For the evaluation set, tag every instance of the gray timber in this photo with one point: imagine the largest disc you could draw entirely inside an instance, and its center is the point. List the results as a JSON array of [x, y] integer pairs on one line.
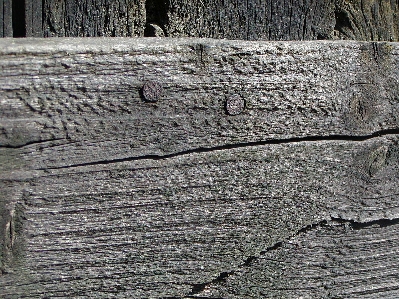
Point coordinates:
[[106, 195]]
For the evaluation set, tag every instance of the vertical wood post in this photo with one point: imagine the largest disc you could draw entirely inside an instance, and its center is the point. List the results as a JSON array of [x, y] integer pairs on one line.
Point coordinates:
[[6, 18], [33, 18]]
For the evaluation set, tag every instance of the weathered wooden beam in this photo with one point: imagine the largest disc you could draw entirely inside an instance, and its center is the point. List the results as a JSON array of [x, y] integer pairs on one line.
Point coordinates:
[[104, 192], [252, 19], [159, 228], [284, 20], [290, 90]]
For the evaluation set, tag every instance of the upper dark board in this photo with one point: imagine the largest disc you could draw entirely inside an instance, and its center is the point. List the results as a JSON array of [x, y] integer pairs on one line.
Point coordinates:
[[233, 19]]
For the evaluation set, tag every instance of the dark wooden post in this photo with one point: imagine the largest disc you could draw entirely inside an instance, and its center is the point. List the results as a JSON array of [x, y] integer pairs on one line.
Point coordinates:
[[252, 20], [33, 18], [6, 18], [94, 18]]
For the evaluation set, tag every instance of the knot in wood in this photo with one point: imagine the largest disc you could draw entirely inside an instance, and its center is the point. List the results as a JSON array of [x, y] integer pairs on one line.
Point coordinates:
[[152, 91], [235, 104]]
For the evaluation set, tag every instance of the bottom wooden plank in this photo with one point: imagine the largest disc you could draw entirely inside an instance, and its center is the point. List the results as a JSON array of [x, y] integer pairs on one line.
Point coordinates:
[[154, 228]]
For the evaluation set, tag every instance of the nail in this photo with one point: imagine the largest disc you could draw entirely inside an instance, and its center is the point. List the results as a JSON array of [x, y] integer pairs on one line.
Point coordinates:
[[152, 91], [235, 104]]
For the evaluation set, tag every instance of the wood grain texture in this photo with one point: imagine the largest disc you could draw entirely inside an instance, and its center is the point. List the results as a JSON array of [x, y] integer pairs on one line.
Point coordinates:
[[158, 228], [253, 19], [94, 18], [33, 18], [336, 259], [106, 195], [285, 20], [61, 92], [6, 18], [367, 20]]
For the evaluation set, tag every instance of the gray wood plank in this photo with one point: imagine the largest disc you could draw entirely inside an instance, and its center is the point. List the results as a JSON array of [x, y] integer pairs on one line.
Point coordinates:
[[157, 228], [252, 19], [79, 101], [285, 20]]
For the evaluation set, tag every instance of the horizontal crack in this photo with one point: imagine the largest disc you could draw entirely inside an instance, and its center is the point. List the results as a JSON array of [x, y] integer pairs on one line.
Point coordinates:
[[383, 222], [236, 146]]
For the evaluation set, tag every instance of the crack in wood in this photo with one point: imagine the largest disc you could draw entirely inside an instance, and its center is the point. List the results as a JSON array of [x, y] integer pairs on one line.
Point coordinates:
[[236, 146], [198, 288], [355, 225]]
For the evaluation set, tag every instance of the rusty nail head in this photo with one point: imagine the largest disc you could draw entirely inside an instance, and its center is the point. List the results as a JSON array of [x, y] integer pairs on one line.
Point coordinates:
[[235, 104], [152, 91]]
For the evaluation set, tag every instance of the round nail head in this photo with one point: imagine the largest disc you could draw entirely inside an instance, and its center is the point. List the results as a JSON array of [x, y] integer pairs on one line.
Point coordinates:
[[152, 91], [235, 105]]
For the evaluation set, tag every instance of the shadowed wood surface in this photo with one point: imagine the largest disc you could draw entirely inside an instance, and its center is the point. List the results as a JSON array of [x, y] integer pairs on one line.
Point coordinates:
[[253, 20], [6, 18], [107, 195], [234, 19]]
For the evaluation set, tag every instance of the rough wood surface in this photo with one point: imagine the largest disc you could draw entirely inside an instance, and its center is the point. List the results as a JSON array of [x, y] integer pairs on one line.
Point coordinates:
[[33, 18], [6, 18], [61, 92], [94, 18], [105, 194], [235, 19], [253, 20], [337, 259], [284, 20]]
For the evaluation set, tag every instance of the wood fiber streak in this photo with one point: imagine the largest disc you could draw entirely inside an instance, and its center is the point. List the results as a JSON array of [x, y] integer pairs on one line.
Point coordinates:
[[366, 20], [93, 18], [33, 18], [6, 18], [331, 261]]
